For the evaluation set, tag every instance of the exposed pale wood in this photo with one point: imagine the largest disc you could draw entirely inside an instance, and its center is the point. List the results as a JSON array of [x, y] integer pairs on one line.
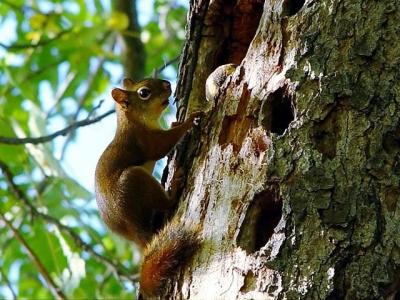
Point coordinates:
[[333, 65]]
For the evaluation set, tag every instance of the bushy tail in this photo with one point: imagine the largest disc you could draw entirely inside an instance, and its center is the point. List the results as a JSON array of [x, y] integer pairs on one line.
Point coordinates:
[[168, 250]]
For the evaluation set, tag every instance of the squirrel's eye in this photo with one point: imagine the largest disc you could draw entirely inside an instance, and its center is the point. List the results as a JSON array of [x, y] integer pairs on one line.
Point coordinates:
[[144, 93]]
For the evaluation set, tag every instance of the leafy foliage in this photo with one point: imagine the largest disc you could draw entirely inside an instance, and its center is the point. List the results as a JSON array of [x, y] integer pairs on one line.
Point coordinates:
[[57, 60]]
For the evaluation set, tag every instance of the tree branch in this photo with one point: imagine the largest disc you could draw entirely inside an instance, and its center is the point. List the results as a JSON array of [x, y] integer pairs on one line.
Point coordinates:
[[35, 45], [30, 76], [90, 81], [8, 283], [68, 80], [50, 137], [157, 71], [81, 102], [119, 270], [56, 290]]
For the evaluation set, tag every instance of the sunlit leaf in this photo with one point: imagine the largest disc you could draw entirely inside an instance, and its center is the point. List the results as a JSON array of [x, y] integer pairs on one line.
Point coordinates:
[[33, 36], [37, 21], [42, 154], [118, 21], [75, 271]]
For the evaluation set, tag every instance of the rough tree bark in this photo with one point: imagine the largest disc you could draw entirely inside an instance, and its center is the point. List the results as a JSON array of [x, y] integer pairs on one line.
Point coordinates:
[[294, 174]]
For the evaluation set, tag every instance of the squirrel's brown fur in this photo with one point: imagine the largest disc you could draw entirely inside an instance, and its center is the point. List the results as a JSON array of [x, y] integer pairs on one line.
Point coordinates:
[[167, 251], [129, 199]]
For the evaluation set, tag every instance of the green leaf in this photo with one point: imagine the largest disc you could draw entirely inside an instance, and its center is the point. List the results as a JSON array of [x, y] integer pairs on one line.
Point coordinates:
[[118, 21], [73, 189]]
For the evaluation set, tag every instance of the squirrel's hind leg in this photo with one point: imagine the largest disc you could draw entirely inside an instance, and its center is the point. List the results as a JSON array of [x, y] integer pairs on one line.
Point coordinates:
[[137, 182]]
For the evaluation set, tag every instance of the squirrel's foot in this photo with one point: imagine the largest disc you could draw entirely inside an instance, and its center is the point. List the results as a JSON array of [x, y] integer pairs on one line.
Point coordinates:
[[196, 116]]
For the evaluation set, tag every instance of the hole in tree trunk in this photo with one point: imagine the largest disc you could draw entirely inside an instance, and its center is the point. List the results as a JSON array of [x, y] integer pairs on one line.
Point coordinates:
[[237, 22], [278, 111], [292, 7], [262, 217]]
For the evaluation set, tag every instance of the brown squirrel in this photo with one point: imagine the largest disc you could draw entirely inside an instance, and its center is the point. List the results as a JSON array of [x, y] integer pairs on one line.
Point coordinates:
[[129, 199]]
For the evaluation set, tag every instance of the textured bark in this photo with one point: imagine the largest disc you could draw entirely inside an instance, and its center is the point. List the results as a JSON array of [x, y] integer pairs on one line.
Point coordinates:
[[294, 175]]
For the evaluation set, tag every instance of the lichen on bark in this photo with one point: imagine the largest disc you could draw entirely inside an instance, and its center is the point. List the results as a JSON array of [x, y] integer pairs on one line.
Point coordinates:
[[306, 128]]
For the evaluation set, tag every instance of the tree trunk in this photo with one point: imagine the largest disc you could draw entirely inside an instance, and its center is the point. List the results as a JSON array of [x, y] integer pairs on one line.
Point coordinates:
[[294, 174]]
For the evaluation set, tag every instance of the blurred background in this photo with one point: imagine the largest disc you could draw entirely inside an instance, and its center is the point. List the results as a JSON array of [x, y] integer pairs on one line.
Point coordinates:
[[59, 61]]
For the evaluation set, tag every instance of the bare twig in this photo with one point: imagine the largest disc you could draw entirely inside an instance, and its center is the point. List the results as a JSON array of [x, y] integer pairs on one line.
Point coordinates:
[[30, 76], [95, 108], [157, 71], [18, 193], [40, 43], [61, 93], [89, 87], [8, 283], [81, 101], [56, 290], [90, 81], [50, 137], [119, 270]]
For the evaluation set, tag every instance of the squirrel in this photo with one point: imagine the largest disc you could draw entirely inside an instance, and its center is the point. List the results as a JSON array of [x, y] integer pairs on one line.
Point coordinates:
[[129, 198]]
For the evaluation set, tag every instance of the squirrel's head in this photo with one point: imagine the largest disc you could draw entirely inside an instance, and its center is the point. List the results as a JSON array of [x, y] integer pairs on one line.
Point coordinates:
[[146, 98]]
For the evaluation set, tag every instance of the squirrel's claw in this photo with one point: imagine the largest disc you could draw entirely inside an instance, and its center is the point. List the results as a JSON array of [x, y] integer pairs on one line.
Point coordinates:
[[196, 116]]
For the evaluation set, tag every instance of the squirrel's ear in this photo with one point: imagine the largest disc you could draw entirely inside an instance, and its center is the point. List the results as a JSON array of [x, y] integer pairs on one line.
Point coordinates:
[[121, 97], [128, 83]]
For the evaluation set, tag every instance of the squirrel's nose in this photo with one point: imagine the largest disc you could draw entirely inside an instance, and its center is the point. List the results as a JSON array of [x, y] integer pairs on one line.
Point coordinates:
[[166, 84]]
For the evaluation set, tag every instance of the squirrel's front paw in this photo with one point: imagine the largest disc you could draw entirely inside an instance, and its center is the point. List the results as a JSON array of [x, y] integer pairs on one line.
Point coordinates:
[[196, 116]]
